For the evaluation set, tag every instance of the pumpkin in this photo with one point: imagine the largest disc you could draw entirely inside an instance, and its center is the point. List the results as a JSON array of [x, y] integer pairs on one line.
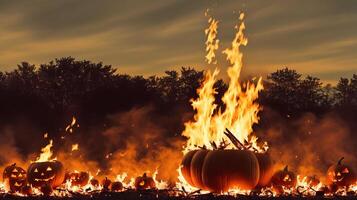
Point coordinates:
[[94, 182], [42, 173], [106, 183], [284, 178], [266, 169], [340, 175], [79, 178], [14, 178], [46, 189], [220, 170], [26, 190], [116, 186], [144, 182]]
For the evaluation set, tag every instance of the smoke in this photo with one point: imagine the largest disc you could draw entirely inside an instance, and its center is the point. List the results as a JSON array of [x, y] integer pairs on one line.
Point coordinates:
[[309, 144], [144, 145]]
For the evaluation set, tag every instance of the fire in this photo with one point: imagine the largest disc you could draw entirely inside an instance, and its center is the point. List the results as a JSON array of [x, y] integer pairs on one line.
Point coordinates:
[[241, 109], [70, 126], [211, 41], [75, 147], [46, 153]]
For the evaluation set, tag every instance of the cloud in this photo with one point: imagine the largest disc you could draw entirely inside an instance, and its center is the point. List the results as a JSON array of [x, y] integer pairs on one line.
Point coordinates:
[[147, 37]]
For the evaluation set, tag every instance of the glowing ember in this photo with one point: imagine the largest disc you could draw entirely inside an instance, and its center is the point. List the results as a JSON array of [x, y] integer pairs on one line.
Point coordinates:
[[69, 128], [75, 147]]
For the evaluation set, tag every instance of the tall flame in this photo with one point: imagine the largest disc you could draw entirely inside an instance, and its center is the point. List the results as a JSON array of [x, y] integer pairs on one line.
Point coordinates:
[[211, 41], [241, 109], [46, 153]]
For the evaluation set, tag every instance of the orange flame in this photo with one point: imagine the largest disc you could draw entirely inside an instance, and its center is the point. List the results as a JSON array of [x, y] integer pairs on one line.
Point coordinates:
[[211, 41], [241, 111], [46, 153]]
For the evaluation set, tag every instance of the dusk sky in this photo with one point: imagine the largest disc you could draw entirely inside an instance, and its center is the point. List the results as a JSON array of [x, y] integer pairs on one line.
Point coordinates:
[[147, 37]]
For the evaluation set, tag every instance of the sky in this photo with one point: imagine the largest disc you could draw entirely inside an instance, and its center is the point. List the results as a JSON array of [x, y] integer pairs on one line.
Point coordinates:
[[147, 37]]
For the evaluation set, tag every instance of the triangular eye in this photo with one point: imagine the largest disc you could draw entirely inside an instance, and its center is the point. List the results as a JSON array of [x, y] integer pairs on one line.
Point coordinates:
[[15, 170], [338, 174], [345, 171], [49, 169], [36, 170]]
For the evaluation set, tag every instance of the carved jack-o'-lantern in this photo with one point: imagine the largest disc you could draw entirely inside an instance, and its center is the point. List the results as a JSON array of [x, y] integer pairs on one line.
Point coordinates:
[[78, 178], [144, 182], [340, 175], [284, 178], [42, 173], [14, 178]]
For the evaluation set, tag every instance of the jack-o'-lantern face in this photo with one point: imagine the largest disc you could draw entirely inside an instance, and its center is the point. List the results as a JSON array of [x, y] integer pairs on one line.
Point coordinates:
[[340, 174], [41, 173], [14, 178], [79, 178], [144, 182], [284, 178]]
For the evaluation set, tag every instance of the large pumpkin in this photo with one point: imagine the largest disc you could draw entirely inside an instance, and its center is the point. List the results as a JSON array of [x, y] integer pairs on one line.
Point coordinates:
[[340, 175], [266, 169], [42, 173], [220, 170], [14, 178]]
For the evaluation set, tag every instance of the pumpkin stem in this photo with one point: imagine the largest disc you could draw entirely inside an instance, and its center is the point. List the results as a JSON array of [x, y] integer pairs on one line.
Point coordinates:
[[340, 161], [144, 175], [13, 165], [286, 168]]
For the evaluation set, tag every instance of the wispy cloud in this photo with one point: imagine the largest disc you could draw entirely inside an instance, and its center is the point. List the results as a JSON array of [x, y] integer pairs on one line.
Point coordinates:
[[147, 37]]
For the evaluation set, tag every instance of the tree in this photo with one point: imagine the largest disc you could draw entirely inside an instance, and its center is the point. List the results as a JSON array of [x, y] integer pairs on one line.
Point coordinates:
[[346, 94], [291, 94]]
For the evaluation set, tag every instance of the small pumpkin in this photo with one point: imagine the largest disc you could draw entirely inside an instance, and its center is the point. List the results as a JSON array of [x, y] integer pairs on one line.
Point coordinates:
[[46, 189], [340, 174], [220, 170], [14, 178], [284, 178], [144, 182], [79, 178], [106, 183], [26, 190], [266, 169], [94, 182], [42, 173], [116, 186]]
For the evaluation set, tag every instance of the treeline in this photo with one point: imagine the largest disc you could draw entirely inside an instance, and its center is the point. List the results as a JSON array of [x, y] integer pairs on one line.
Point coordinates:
[[50, 94]]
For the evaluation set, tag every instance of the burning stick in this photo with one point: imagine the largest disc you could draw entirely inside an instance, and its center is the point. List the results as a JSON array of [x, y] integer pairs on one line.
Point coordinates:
[[234, 140]]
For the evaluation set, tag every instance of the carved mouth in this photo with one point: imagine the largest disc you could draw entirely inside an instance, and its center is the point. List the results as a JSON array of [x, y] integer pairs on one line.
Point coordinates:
[[338, 179], [18, 184], [44, 179]]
